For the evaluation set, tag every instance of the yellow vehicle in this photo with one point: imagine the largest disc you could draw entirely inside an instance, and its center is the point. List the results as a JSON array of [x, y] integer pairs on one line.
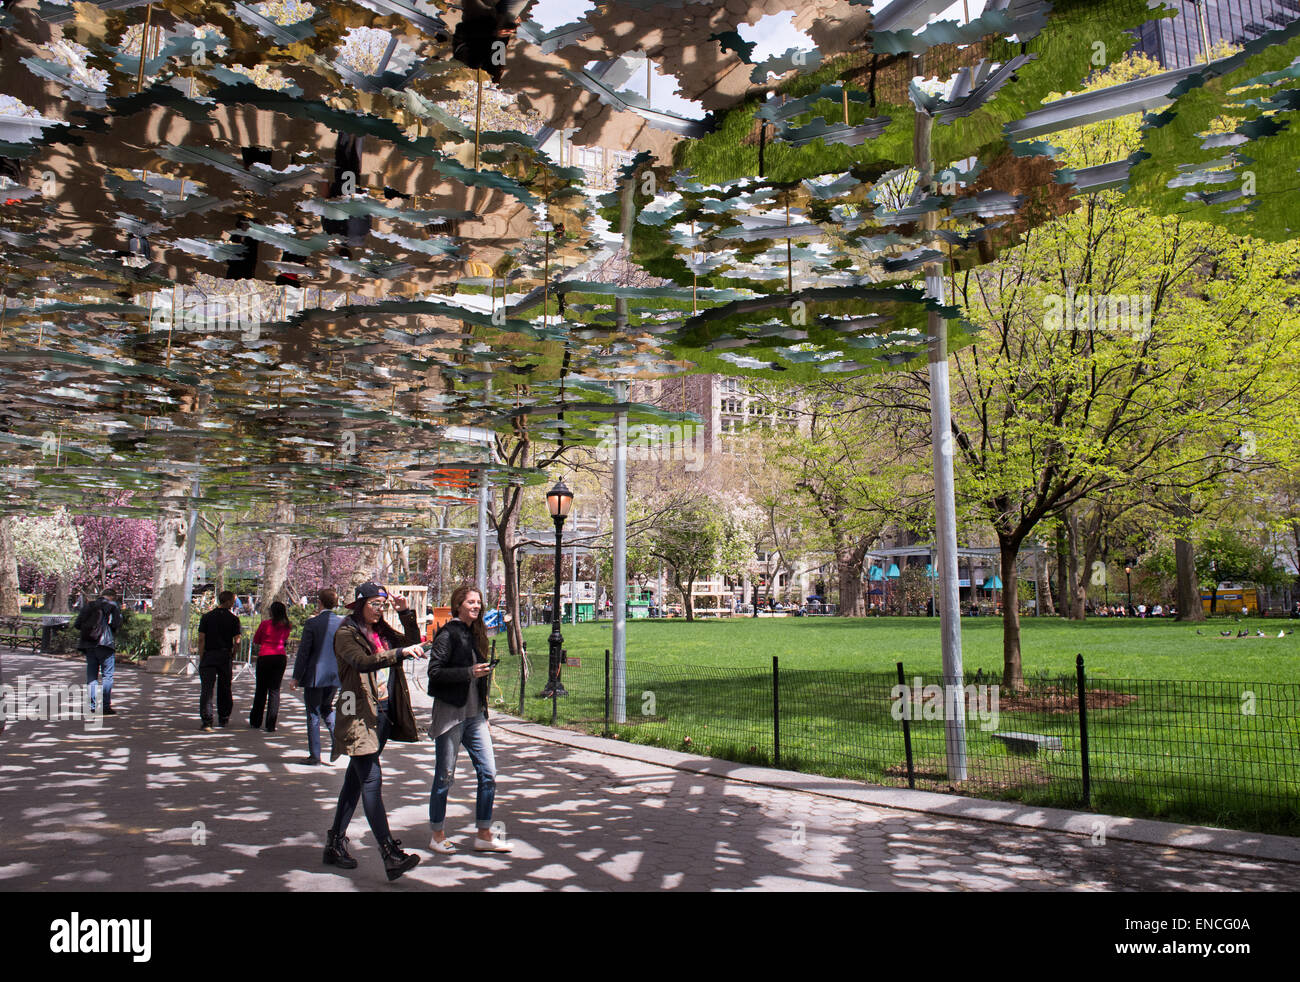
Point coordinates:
[[1230, 600]]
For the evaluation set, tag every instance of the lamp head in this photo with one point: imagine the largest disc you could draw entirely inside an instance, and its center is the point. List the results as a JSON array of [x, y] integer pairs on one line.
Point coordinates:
[[559, 500]]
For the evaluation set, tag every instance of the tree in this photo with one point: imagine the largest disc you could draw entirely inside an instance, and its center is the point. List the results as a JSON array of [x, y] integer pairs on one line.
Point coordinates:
[[118, 552], [49, 546], [705, 534], [1224, 555], [275, 578], [1105, 363], [9, 605]]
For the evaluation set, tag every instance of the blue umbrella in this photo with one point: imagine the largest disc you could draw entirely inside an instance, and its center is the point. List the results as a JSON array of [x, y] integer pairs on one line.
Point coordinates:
[[993, 584], [875, 573], [893, 571]]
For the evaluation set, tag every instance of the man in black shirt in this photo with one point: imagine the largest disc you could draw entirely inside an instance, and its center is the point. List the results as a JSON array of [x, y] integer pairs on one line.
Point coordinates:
[[219, 631]]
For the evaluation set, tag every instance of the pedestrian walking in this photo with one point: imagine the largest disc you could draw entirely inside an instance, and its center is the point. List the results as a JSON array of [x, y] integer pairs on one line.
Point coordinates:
[[316, 672], [219, 632], [458, 681], [97, 626], [364, 645], [269, 641]]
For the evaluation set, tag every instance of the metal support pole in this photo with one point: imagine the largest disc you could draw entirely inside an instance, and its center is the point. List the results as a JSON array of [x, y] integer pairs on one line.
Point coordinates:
[[944, 490], [480, 571], [573, 584], [556, 654], [620, 564], [188, 595]]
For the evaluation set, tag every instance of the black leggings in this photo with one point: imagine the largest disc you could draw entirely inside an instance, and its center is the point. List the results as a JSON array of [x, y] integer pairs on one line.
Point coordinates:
[[269, 672], [363, 780]]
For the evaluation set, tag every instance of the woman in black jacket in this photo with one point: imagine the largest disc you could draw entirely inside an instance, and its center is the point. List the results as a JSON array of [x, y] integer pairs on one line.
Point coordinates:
[[458, 682]]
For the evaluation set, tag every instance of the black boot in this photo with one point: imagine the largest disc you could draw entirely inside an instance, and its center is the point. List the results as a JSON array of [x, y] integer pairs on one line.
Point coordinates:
[[397, 862], [336, 851]]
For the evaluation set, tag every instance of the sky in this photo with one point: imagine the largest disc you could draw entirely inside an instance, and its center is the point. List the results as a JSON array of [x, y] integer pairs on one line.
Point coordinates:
[[774, 34]]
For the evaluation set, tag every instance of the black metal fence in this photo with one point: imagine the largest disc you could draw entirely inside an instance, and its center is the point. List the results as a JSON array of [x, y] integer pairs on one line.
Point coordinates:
[[1217, 753]]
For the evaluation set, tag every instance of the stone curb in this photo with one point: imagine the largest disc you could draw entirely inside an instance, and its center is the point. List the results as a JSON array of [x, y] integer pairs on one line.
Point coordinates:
[[1251, 845]]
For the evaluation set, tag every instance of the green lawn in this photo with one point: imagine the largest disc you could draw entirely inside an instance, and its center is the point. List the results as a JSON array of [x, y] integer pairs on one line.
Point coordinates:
[[1219, 743], [1128, 648]]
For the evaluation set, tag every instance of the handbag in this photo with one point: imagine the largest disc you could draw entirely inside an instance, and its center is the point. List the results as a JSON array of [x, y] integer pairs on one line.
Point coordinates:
[[400, 714]]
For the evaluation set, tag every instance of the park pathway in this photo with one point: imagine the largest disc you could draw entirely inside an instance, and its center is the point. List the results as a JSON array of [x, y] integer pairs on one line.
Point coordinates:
[[150, 803]]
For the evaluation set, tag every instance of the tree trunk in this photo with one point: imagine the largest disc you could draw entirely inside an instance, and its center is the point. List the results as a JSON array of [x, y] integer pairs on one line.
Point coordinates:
[[9, 604], [507, 528], [1072, 570], [1062, 571], [1188, 588], [1012, 676], [60, 605], [1043, 588], [219, 554], [367, 560], [276, 572], [688, 595], [169, 605], [327, 567]]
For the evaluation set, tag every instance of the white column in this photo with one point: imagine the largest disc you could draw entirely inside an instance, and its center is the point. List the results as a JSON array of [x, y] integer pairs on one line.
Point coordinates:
[[946, 536], [618, 681], [188, 596], [480, 572]]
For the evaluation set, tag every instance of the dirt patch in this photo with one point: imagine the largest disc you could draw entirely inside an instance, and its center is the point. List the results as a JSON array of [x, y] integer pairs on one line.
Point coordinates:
[[1058, 700]]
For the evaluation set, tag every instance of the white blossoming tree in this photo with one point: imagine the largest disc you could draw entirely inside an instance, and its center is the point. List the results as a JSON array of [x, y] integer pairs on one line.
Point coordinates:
[[49, 545]]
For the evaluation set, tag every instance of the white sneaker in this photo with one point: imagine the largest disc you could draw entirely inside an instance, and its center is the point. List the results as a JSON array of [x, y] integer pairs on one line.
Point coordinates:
[[491, 845], [442, 845]]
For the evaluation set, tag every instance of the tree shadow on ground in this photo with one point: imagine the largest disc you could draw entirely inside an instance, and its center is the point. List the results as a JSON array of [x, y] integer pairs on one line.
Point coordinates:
[[150, 803]]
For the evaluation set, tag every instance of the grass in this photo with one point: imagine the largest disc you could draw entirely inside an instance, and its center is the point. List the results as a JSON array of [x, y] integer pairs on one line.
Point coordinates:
[[1195, 728]]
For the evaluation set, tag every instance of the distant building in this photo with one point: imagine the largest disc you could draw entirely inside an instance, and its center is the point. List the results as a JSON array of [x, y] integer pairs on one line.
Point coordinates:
[[1180, 41]]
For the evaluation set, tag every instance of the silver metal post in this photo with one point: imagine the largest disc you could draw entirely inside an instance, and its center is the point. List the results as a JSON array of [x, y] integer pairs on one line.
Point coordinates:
[[619, 681], [573, 588], [480, 572], [188, 595]]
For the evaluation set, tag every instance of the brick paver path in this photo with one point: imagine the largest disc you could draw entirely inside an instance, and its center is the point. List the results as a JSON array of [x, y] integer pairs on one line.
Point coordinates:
[[149, 802]]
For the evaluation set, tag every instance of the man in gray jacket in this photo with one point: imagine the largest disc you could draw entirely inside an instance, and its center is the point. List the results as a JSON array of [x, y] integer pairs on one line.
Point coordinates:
[[316, 672]]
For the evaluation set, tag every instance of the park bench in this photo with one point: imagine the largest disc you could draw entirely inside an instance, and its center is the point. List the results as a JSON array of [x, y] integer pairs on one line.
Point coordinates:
[[20, 632], [1028, 743]]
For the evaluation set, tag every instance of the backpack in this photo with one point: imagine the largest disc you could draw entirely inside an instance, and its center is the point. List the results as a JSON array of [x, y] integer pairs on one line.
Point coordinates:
[[91, 623]]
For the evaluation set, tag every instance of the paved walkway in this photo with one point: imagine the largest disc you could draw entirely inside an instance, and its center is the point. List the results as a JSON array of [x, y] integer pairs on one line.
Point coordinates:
[[150, 803]]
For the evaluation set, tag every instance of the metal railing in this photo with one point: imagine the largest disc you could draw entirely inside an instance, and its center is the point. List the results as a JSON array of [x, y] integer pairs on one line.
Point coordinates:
[[1221, 753]]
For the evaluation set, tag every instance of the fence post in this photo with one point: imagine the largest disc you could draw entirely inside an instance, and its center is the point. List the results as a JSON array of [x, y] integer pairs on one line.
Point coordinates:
[[555, 704], [776, 710], [1083, 733], [606, 733], [907, 730]]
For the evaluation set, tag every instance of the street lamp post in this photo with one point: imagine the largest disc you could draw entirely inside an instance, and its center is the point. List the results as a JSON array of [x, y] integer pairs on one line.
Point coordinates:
[[558, 502], [1128, 576]]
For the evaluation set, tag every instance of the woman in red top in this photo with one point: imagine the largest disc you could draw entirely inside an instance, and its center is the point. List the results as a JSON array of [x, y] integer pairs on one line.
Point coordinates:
[[269, 642]]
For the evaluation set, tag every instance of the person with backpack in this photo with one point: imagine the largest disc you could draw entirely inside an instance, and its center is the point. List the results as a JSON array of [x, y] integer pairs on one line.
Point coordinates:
[[97, 626]]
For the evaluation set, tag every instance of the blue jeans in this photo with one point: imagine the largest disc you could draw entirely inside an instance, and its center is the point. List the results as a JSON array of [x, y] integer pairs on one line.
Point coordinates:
[[363, 780], [477, 739], [96, 658], [320, 707]]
